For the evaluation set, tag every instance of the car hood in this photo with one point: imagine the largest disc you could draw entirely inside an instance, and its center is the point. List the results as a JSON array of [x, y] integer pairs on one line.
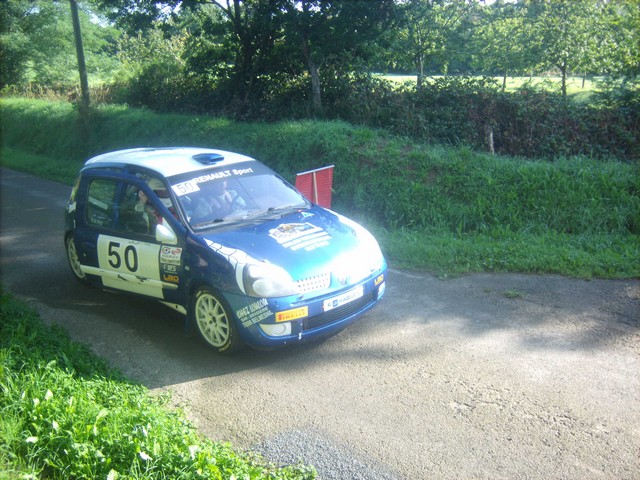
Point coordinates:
[[305, 243]]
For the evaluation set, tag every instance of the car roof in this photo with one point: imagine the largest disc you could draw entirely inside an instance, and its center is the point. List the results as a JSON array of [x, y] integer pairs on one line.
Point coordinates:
[[169, 161]]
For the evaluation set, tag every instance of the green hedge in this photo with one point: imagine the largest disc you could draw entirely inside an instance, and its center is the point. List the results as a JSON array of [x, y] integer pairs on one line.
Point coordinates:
[[450, 110]]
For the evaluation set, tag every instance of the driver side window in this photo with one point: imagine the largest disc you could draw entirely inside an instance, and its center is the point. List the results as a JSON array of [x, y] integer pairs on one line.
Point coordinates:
[[116, 205]]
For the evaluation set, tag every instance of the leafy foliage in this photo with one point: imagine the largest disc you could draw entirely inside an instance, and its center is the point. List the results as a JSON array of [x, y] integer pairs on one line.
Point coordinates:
[[531, 122], [430, 33], [37, 44], [269, 60]]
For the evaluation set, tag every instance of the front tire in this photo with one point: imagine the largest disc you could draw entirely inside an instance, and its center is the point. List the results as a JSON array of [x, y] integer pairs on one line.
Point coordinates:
[[214, 322], [74, 260]]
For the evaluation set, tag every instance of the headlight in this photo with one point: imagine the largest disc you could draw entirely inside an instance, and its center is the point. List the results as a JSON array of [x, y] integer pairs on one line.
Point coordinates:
[[365, 260], [266, 280]]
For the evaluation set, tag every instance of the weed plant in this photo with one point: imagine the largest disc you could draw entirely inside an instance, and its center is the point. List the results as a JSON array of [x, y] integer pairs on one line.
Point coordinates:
[[448, 210], [65, 414]]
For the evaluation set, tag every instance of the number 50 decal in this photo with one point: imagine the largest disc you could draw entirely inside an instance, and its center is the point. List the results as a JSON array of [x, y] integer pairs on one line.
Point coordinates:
[[129, 254], [117, 254]]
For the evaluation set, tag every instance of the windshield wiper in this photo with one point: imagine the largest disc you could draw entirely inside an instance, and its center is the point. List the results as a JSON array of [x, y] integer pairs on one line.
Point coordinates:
[[269, 212], [202, 225], [284, 209]]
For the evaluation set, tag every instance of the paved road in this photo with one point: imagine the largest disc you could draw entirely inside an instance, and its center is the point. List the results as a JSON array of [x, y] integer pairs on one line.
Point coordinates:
[[483, 376]]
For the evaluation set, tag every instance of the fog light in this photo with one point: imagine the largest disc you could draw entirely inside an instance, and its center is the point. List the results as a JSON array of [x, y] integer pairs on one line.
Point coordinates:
[[277, 329], [381, 289]]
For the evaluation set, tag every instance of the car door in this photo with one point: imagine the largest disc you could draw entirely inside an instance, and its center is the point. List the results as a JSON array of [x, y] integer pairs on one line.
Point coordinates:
[[118, 243]]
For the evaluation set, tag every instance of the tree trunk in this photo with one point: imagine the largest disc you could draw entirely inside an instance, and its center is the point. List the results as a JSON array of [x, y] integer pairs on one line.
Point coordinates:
[[314, 71], [82, 67], [563, 70], [420, 69], [315, 86]]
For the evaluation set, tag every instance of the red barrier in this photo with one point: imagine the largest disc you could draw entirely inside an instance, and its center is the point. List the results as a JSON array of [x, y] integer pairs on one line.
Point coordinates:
[[316, 185]]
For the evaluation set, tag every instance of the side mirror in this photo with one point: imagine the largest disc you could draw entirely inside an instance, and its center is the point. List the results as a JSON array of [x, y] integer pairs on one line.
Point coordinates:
[[165, 234]]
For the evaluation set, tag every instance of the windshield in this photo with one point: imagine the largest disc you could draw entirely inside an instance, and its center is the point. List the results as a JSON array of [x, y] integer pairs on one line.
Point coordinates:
[[231, 195]]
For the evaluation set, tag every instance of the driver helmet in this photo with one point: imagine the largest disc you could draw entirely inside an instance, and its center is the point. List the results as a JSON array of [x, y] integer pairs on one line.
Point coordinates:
[[160, 189]]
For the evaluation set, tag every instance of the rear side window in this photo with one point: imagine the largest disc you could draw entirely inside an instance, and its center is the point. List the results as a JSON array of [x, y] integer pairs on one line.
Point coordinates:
[[101, 203], [116, 205]]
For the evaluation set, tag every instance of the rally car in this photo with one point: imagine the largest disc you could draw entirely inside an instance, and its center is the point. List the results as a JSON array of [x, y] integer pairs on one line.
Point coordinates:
[[224, 240]]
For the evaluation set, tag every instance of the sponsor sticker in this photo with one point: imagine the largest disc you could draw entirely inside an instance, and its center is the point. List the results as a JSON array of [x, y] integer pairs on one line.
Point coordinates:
[[343, 299], [191, 186], [296, 236], [293, 314], [170, 278], [168, 268], [185, 188], [170, 255], [254, 312]]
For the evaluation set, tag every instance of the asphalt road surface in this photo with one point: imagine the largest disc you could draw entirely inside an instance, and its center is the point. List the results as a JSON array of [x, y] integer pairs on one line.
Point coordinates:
[[482, 376]]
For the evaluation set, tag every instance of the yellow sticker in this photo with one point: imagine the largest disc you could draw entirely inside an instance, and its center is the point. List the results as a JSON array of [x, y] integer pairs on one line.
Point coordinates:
[[379, 280], [294, 314]]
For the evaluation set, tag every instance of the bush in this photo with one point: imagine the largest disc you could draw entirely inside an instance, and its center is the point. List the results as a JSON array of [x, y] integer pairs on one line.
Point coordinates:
[[528, 123]]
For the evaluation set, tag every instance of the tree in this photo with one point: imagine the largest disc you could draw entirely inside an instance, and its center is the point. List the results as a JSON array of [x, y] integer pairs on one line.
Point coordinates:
[[248, 30], [427, 28], [564, 34], [14, 43], [37, 43], [260, 37], [618, 52], [335, 32], [499, 39]]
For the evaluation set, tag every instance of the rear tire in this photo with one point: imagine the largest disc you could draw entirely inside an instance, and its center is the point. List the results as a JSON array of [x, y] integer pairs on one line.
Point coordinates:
[[214, 322], [74, 261]]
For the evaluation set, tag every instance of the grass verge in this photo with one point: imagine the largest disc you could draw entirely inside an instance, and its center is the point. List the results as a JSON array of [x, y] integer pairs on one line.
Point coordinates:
[[446, 254], [65, 414]]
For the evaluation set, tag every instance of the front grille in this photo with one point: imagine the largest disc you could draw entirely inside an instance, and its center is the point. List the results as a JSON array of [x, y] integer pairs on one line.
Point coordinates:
[[311, 284], [339, 313]]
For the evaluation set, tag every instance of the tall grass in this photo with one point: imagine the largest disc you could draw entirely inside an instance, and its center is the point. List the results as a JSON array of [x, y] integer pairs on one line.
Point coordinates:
[[485, 212], [65, 414]]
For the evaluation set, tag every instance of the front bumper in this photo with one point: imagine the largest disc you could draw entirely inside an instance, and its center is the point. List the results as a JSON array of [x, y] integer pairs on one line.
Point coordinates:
[[270, 323]]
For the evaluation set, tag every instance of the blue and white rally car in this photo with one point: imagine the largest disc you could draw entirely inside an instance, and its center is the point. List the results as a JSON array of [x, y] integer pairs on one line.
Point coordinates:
[[223, 239]]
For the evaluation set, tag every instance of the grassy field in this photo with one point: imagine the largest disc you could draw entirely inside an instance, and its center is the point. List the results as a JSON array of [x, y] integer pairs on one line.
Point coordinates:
[[576, 87]]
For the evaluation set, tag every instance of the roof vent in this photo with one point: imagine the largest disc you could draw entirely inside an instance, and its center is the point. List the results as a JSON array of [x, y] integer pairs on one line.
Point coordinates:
[[208, 158]]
